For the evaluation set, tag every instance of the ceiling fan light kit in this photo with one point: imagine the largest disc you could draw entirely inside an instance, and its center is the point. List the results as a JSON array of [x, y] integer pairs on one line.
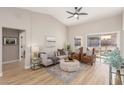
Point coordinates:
[[76, 13]]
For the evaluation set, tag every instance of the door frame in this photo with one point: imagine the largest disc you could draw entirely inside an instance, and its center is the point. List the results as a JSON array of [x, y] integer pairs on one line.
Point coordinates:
[[20, 49], [1, 41]]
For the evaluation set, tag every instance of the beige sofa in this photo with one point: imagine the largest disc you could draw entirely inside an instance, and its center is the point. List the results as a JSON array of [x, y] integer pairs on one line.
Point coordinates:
[[46, 61]]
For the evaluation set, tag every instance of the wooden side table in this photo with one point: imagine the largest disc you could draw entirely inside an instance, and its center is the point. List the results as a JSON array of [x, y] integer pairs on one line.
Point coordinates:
[[35, 63]]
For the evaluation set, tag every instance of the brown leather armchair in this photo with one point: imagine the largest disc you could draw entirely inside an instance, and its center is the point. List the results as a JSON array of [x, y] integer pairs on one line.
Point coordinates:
[[77, 55], [90, 59]]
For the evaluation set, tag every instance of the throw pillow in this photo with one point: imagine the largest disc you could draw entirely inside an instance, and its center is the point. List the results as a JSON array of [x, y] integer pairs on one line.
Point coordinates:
[[84, 50], [58, 53], [61, 51], [89, 53]]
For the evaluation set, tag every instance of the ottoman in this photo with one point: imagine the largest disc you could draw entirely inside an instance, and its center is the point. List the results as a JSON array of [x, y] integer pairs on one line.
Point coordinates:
[[69, 66]]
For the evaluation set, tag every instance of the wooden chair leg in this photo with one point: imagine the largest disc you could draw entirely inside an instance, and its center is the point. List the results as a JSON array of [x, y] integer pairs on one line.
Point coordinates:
[[91, 63]]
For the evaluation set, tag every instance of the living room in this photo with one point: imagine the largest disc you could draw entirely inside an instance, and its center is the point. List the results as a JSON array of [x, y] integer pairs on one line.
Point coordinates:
[[45, 33]]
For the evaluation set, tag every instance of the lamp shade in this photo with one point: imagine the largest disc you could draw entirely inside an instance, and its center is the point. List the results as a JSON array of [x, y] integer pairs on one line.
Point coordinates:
[[35, 49]]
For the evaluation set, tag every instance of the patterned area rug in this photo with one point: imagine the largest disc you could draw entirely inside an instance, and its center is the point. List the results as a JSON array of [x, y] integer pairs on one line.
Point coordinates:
[[66, 77]]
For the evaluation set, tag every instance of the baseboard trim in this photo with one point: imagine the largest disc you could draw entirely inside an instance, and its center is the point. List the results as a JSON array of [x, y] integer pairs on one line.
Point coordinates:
[[1, 74], [12, 61], [27, 67]]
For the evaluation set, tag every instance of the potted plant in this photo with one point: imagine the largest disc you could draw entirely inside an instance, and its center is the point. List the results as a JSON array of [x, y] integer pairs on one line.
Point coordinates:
[[115, 60], [68, 47]]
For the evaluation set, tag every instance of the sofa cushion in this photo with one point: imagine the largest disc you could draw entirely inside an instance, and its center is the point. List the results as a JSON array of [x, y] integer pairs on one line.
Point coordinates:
[[62, 56], [84, 50], [58, 52], [54, 59]]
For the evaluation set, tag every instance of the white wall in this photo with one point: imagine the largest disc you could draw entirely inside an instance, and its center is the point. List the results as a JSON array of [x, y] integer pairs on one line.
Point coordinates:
[[18, 19], [36, 25], [110, 24], [122, 34], [43, 26], [123, 20], [1, 73]]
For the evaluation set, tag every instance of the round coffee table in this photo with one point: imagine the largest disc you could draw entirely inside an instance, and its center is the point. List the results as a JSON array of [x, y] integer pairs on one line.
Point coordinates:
[[69, 65]]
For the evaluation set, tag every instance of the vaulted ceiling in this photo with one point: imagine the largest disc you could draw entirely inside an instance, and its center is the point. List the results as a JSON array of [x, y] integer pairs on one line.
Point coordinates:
[[93, 13]]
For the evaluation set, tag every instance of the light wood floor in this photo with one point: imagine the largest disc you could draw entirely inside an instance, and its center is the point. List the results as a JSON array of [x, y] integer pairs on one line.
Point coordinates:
[[15, 74]]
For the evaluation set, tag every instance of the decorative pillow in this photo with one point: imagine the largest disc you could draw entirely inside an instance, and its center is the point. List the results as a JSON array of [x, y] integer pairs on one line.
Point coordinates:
[[84, 50], [58, 53], [89, 53], [55, 53], [61, 51]]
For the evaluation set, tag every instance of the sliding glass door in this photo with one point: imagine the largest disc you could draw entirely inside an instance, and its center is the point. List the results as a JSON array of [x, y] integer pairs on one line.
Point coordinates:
[[93, 41], [102, 43]]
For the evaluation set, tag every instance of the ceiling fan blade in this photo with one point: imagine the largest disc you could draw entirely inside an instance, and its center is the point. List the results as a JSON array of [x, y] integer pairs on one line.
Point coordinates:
[[79, 9], [70, 16], [69, 12], [83, 13]]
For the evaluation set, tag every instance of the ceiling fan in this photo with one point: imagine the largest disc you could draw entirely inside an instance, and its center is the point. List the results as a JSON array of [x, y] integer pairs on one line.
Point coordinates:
[[77, 13]]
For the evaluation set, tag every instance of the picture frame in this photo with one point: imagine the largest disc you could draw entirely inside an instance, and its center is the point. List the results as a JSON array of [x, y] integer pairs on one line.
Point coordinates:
[[9, 41], [51, 41], [77, 41]]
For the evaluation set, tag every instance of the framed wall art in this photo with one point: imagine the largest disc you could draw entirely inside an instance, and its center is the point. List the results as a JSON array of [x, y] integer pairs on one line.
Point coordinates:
[[10, 41], [51, 41]]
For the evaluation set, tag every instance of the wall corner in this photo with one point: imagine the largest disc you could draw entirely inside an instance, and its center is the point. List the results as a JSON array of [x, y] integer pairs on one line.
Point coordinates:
[[1, 74]]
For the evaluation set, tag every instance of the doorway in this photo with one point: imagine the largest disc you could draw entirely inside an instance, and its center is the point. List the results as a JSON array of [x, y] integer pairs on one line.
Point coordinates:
[[13, 46]]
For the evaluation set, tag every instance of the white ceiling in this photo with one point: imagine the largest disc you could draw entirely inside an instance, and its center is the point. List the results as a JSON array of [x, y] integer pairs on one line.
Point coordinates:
[[93, 13]]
